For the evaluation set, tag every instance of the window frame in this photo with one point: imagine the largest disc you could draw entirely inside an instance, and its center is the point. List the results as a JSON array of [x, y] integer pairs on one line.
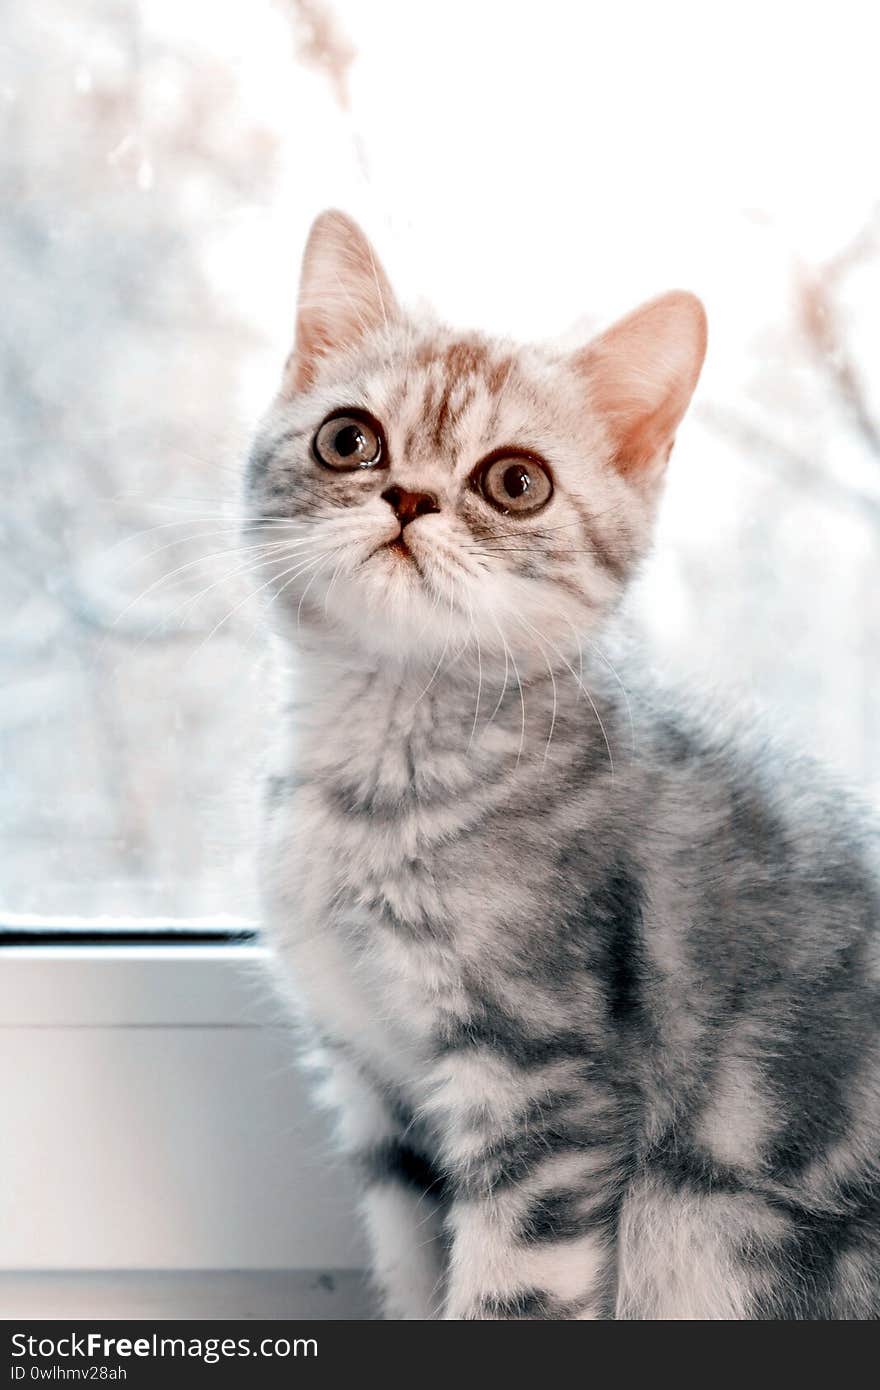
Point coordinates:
[[123, 976]]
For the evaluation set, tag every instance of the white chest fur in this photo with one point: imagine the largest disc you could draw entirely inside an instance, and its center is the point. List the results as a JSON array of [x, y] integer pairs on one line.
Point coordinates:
[[386, 882]]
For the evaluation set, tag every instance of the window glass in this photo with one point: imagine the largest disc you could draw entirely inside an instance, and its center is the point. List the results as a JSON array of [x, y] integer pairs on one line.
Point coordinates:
[[532, 170]]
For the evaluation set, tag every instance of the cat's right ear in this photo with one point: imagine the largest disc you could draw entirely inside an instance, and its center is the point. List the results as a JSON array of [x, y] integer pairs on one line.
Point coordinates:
[[641, 374], [343, 295]]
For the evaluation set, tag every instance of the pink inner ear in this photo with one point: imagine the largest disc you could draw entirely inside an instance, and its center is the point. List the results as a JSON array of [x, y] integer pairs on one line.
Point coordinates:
[[641, 375], [641, 440], [344, 294], [313, 346]]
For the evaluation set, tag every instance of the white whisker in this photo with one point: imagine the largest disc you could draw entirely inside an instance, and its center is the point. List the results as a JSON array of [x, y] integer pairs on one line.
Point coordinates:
[[442, 654], [476, 634]]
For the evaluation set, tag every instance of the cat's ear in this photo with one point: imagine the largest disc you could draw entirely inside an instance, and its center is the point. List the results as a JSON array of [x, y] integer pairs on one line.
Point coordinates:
[[641, 374], [343, 295]]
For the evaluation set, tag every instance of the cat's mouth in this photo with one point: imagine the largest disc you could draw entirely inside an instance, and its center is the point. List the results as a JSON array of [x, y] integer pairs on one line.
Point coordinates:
[[400, 555], [399, 548]]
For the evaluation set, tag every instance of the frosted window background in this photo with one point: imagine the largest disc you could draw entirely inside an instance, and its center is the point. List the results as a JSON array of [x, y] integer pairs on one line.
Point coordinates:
[[532, 169]]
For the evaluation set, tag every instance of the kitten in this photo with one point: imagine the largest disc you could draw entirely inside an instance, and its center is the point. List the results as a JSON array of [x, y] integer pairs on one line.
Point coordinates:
[[595, 985]]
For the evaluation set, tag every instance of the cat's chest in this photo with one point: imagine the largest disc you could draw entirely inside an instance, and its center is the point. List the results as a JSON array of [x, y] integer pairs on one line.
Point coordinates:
[[365, 911], [382, 992], [401, 861], [395, 883]]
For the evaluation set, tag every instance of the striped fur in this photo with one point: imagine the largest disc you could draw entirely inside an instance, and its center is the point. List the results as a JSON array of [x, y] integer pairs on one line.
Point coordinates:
[[593, 981]]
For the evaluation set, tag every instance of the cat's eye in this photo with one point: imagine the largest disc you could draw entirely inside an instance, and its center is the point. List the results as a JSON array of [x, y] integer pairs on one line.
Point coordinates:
[[512, 482], [349, 439]]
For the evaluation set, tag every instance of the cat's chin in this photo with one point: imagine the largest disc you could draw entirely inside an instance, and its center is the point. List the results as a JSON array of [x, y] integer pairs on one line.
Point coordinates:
[[409, 598], [392, 607]]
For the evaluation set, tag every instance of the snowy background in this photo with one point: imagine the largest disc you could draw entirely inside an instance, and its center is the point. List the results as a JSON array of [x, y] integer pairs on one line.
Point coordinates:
[[530, 169]]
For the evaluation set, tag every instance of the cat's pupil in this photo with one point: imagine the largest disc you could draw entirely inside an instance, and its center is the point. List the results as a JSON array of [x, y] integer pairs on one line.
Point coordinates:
[[516, 482], [349, 441]]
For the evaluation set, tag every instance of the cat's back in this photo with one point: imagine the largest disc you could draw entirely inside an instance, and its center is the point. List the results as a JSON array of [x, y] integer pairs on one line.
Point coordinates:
[[757, 867]]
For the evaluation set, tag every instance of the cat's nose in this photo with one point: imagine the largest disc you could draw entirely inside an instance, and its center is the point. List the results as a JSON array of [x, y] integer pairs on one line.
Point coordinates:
[[408, 505]]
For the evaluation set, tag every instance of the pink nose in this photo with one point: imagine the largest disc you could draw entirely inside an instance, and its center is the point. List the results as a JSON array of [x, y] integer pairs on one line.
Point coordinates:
[[408, 505]]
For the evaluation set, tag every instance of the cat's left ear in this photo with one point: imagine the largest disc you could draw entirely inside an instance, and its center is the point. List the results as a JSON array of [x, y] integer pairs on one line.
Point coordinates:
[[641, 374], [344, 294]]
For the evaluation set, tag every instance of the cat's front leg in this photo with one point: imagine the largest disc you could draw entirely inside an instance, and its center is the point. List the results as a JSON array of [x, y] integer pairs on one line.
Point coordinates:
[[402, 1195], [537, 1176]]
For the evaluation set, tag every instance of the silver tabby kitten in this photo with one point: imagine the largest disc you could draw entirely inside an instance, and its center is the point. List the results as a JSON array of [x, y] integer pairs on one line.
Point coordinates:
[[594, 988]]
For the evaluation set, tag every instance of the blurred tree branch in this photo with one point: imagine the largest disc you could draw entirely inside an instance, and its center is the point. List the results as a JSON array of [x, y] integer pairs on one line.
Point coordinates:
[[819, 318], [798, 469], [322, 45], [818, 321]]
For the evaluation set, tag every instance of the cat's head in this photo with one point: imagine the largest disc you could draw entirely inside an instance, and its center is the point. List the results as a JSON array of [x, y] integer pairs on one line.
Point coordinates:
[[420, 491]]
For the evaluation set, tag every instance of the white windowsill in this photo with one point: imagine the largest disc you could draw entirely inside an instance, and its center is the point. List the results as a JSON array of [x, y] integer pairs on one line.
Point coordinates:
[[136, 986], [155, 1119], [180, 1294]]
